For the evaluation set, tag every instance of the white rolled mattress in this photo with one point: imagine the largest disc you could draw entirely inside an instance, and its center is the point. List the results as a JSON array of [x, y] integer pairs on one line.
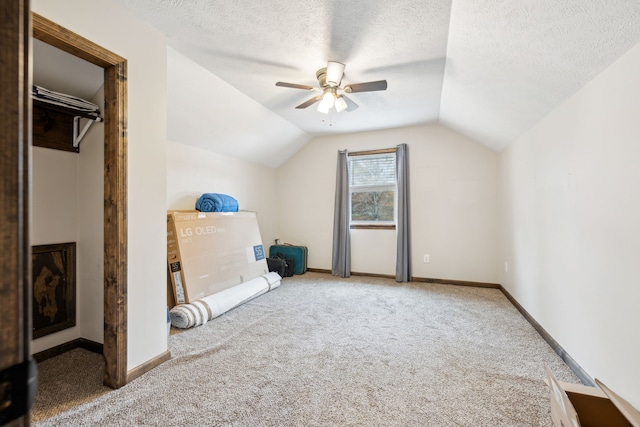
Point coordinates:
[[201, 311]]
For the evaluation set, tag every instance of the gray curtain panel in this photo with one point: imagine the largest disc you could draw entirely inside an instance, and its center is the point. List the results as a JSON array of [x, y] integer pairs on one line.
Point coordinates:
[[403, 230], [341, 257]]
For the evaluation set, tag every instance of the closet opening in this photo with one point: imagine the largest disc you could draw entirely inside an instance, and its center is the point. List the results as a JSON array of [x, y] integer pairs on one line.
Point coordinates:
[[100, 188], [67, 192]]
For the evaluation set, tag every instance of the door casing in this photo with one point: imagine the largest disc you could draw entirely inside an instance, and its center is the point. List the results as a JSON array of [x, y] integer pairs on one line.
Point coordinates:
[[115, 188]]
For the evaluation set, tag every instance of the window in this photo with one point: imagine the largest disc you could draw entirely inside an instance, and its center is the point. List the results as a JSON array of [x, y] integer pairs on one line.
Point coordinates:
[[372, 189]]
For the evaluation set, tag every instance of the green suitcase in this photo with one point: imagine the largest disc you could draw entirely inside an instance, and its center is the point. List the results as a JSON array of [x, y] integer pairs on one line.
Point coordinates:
[[299, 254]]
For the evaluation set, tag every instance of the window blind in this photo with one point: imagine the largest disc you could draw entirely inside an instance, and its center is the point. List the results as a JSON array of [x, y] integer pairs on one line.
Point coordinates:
[[376, 170]]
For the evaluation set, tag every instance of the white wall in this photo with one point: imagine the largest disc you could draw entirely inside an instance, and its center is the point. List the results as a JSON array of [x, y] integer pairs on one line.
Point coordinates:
[[206, 112], [107, 24], [54, 217], [570, 211], [192, 171], [453, 204], [54, 210], [91, 229]]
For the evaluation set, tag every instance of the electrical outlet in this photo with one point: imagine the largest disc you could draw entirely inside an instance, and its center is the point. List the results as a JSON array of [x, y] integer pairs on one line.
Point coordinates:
[[506, 267], [426, 258]]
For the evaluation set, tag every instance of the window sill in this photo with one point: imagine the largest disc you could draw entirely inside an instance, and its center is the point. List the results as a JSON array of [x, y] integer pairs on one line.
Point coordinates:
[[372, 227]]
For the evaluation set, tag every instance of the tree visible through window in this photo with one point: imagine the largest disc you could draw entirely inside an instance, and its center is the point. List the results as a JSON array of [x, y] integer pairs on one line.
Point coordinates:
[[372, 188]]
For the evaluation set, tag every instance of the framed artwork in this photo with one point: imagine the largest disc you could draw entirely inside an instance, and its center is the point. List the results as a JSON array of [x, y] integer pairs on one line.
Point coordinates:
[[54, 288]]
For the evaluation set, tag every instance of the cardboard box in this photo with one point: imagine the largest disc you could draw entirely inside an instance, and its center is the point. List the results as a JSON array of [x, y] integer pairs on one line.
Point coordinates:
[[208, 252], [574, 405]]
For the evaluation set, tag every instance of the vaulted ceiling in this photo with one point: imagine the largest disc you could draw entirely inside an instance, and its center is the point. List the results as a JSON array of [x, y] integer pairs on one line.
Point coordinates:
[[488, 69]]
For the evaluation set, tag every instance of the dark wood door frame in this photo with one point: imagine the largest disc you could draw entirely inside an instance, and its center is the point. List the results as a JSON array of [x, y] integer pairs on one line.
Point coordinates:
[[115, 188], [15, 138]]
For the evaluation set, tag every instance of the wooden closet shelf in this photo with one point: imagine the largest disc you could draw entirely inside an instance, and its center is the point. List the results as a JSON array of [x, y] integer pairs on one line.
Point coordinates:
[[64, 110], [53, 126]]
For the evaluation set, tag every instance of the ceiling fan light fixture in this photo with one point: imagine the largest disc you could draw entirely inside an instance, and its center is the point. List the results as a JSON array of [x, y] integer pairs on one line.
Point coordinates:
[[323, 108], [329, 81], [335, 70], [326, 103]]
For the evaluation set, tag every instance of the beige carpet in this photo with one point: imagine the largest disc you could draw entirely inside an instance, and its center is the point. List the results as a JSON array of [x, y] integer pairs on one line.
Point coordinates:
[[67, 381], [323, 351]]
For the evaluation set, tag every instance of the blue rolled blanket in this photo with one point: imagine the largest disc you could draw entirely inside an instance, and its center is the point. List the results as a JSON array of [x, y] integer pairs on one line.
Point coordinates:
[[216, 202]]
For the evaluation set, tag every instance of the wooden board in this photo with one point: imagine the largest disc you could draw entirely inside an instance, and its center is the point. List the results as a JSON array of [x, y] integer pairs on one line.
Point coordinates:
[[52, 128]]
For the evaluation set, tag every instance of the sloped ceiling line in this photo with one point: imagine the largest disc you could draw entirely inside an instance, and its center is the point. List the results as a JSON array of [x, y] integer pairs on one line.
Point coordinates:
[[488, 69]]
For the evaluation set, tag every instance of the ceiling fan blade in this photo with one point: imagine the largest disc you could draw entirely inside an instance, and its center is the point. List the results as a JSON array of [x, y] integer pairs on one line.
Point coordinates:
[[294, 86], [335, 70], [366, 87], [310, 101], [350, 104]]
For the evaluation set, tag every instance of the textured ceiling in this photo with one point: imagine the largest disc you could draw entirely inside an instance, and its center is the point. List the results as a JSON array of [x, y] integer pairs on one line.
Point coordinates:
[[509, 63], [489, 69]]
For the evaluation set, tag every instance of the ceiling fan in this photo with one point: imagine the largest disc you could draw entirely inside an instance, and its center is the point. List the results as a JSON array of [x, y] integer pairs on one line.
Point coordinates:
[[331, 93]]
